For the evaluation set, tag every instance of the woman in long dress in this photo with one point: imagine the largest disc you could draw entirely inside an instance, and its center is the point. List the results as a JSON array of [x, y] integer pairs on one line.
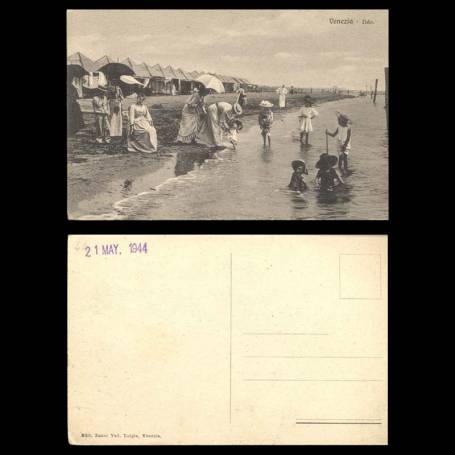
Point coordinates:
[[282, 92], [75, 120], [115, 109], [191, 117], [215, 129], [142, 134]]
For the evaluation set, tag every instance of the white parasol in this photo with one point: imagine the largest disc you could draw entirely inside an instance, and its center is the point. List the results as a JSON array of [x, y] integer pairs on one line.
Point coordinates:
[[209, 81], [130, 80]]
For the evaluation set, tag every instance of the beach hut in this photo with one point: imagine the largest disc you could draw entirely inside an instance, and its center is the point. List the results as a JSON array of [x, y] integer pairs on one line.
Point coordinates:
[[78, 66], [157, 84], [186, 81], [229, 83], [112, 69], [172, 80]]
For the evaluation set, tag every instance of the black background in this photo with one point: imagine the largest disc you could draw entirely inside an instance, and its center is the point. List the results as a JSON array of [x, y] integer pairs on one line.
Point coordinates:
[[47, 218]]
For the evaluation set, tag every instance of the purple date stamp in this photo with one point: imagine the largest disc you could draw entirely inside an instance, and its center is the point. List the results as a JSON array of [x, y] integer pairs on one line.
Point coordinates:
[[114, 249]]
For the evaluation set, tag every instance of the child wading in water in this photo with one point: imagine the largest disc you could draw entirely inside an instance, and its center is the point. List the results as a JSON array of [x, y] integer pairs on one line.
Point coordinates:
[[306, 113], [327, 178], [265, 120], [344, 139], [234, 127], [297, 183]]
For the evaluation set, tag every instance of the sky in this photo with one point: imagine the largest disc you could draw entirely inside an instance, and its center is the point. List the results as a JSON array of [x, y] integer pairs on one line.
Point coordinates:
[[270, 47]]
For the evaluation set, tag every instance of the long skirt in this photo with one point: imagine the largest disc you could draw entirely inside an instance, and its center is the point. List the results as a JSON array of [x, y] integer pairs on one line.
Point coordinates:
[[282, 101], [75, 120], [210, 132], [115, 119], [189, 125], [143, 138]]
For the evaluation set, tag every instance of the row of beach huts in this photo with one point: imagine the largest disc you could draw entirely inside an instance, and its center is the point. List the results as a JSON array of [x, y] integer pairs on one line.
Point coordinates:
[[156, 79]]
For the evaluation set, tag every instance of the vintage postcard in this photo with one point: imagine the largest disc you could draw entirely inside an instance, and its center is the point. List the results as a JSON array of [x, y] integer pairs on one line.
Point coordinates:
[[227, 339], [227, 114]]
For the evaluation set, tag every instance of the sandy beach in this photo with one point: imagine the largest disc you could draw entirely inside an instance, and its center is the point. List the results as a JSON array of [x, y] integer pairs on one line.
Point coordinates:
[[101, 174]]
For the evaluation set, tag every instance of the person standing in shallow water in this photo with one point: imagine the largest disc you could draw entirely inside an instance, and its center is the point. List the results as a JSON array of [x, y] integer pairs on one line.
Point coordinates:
[[344, 133], [306, 114], [297, 182], [265, 120]]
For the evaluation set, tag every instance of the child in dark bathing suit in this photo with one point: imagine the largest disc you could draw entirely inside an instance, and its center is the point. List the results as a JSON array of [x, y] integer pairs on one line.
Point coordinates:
[[297, 183]]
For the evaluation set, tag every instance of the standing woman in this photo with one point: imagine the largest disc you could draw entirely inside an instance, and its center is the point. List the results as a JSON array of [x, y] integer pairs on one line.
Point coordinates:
[[75, 121], [282, 92], [242, 99], [115, 109], [142, 134], [191, 117]]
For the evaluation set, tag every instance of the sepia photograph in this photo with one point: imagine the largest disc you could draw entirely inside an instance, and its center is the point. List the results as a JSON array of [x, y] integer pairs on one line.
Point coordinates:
[[227, 114]]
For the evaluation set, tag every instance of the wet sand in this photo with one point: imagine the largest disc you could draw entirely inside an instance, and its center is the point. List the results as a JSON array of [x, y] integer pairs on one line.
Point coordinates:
[[101, 174]]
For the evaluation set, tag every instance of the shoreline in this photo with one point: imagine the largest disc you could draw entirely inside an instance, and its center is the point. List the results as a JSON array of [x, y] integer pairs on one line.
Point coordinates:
[[99, 175]]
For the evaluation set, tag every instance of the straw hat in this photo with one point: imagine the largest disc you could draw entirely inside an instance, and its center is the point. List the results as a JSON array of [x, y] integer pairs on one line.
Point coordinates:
[[265, 103], [326, 161], [343, 116], [297, 163], [237, 109]]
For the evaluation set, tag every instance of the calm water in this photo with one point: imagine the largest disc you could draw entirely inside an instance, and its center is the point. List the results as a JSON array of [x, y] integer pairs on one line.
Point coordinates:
[[251, 182]]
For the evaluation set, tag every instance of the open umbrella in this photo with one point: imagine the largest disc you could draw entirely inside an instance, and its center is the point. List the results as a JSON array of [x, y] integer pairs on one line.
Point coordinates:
[[209, 81], [130, 80]]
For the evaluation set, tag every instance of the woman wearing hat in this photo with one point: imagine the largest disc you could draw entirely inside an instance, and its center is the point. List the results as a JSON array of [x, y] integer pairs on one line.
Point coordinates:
[[306, 114], [265, 120], [327, 178], [191, 116], [218, 123], [344, 133]]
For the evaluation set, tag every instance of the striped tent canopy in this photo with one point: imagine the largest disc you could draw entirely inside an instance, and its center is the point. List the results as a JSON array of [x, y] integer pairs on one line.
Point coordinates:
[[188, 76], [79, 65], [169, 73], [130, 63]]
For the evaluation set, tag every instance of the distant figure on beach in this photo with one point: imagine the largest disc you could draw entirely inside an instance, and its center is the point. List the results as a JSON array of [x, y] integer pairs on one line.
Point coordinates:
[[216, 124], [297, 182], [115, 111], [327, 178], [101, 110], [242, 98], [306, 114], [75, 121], [192, 116], [142, 134], [282, 92], [344, 132], [265, 120], [173, 90]]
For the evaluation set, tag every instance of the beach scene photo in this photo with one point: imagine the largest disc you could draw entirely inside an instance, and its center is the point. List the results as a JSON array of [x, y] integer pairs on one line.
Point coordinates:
[[227, 115]]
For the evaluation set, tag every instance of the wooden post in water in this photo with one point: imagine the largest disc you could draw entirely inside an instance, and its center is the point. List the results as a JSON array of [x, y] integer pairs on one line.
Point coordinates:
[[375, 91]]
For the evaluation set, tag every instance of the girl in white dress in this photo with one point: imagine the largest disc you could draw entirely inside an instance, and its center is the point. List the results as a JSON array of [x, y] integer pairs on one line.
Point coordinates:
[[306, 114], [142, 134]]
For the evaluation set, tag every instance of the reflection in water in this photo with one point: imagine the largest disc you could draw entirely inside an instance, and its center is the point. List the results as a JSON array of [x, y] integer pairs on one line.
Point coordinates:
[[267, 155], [186, 160]]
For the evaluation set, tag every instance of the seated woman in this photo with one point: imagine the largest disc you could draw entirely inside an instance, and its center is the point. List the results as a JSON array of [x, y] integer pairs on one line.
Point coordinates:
[[191, 117], [217, 124], [142, 134]]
